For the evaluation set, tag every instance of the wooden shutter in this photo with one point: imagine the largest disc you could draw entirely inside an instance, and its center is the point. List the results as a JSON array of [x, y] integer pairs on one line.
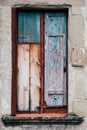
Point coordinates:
[[55, 59]]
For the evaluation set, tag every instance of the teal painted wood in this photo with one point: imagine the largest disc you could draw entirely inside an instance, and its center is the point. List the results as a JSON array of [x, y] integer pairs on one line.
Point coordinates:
[[55, 59], [28, 27]]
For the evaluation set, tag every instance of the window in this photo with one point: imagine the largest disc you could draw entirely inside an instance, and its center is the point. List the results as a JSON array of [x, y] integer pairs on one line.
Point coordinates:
[[39, 62]]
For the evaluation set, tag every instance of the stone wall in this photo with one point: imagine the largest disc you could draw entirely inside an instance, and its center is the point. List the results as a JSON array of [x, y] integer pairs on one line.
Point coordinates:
[[77, 75]]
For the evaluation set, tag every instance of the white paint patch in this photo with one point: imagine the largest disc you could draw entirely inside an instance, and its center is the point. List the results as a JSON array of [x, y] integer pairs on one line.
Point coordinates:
[[83, 51], [5, 64], [79, 60], [4, 103]]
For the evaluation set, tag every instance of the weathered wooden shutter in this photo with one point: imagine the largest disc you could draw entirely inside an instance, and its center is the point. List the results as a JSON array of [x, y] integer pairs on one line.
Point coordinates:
[[28, 61], [55, 59]]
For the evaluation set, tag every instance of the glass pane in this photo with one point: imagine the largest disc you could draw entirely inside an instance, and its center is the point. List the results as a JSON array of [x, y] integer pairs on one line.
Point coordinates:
[[28, 27]]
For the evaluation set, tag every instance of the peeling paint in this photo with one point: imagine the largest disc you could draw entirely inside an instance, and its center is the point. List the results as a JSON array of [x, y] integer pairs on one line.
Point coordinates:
[[77, 76]]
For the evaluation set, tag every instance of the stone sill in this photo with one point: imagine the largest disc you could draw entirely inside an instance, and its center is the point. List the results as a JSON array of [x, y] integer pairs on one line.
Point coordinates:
[[71, 119]]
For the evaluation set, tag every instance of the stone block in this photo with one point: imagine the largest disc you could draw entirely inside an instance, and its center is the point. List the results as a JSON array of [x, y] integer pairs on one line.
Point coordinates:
[[79, 56]]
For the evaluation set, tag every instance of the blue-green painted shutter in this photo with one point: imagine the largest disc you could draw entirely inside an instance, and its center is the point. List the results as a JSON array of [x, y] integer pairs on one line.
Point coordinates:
[[55, 59]]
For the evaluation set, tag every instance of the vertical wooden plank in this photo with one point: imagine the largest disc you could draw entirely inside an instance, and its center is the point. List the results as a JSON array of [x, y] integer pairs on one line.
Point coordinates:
[[23, 77], [42, 59], [35, 61], [14, 61]]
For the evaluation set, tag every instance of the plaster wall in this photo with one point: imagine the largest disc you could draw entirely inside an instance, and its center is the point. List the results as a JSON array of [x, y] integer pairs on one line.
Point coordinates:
[[77, 76]]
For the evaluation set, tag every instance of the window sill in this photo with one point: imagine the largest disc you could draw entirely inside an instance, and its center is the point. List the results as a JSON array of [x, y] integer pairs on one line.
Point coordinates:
[[70, 119]]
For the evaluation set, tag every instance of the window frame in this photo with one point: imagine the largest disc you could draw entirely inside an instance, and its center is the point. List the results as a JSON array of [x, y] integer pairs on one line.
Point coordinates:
[[45, 111]]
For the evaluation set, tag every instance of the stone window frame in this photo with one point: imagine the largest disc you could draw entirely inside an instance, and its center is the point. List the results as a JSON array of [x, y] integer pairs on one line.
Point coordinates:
[[13, 120]]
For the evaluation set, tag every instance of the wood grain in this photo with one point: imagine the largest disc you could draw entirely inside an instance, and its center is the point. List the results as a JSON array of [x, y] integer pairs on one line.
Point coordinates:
[[23, 77], [35, 77]]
